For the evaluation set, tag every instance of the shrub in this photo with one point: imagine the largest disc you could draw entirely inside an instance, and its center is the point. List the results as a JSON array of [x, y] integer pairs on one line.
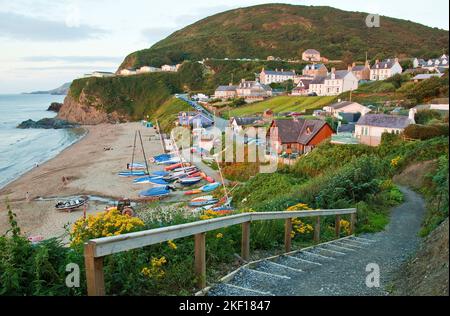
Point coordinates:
[[425, 116], [424, 132]]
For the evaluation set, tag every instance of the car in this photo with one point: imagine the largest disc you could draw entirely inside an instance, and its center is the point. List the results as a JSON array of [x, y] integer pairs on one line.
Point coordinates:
[[312, 94]]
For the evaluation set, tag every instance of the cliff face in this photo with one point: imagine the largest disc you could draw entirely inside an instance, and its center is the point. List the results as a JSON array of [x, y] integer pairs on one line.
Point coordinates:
[[86, 113]]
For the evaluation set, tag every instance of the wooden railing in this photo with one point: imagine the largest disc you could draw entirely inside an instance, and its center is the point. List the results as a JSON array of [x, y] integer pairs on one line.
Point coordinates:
[[95, 250]]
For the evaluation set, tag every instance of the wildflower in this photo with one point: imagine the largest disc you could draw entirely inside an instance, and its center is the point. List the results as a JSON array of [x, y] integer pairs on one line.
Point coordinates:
[[395, 161], [172, 245], [219, 236]]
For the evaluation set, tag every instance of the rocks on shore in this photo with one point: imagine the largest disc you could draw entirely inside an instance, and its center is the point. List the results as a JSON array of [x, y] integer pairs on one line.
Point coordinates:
[[55, 107], [47, 123]]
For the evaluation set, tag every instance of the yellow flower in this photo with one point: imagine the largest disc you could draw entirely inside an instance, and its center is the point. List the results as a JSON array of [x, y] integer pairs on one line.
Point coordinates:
[[219, 236], [172, 245]]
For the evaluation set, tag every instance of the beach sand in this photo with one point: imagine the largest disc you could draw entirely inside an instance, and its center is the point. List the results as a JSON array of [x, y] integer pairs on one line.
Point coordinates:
[[90, 170]]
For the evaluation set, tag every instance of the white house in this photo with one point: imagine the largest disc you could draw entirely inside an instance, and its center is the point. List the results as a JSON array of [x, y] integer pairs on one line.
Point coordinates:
[[270, 76], [170, 68], [101, 74], [253, 90], [148, 69], [334, 83], [383, 70], [128, 72], [432, 64], [226, 92], [370, 128], [346, 107]]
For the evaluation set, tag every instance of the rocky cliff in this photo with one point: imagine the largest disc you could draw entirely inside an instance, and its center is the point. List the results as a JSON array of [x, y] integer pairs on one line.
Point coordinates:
[[86, 113]]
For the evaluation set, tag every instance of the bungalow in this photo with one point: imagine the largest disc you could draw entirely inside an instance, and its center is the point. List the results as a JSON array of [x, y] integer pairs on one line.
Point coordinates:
[[362, 72], [226, 92], [194, 120], [346, 107], [102, 74], [148, 69], [335, 83], [253, 90], [311, 55], [270, 76], [170, 68], [128, 72], [370, 128], [383, 70], [421, 77], [238, 124], [315, 70], [297, 135]]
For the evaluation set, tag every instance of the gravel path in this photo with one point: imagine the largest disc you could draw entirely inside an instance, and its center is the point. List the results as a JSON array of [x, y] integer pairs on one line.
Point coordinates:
[[346, 275]]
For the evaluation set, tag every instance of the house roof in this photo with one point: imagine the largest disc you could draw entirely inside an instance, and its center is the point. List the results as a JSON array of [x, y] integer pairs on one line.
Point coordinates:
[[279, 73], [314, 66], [318, 80], [244, 121], [384, 120], [311, 51], [358, 68], [385, 64], [346, 128], [340, 74], [298, 131], [426, 76], [343, 104], [226, 88]]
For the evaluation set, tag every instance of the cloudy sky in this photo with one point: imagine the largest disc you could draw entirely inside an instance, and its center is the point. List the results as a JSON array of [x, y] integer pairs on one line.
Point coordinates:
[[45, 43]]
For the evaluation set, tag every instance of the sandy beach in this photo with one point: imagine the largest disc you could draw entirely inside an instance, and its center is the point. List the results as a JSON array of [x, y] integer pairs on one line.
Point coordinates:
[[91, 166]]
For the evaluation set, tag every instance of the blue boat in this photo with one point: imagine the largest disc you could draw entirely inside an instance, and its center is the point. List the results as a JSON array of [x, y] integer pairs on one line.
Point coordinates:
[[210, 187], [127, 174], [160, 173], [147, 179], [156, 192], [203, 203], [163, 157], [159, 181]]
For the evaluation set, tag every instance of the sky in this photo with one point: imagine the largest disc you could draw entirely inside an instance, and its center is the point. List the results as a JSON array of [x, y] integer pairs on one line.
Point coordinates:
[[45, 43]]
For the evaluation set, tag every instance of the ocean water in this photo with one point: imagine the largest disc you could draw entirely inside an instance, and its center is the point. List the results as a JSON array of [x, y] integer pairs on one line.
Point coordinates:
[[22, 149]]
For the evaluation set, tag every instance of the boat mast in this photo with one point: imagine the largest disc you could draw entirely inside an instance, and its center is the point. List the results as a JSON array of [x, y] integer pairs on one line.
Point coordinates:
[[143, 151], [134, 148]]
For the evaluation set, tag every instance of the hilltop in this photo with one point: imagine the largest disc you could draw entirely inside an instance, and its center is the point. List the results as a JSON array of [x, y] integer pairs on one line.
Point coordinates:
[[286, 31], [63, 90]]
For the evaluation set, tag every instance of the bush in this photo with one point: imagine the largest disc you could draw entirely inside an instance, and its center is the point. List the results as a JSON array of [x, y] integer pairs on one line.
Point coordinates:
[[424, 132], [426, 116]]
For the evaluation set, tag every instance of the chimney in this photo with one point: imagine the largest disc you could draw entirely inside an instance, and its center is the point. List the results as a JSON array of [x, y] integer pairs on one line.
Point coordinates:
[[276, 69], [367, 64], [282, 70], [377, 61], [333, 70], [354, 64], [350, 67], [412, 116], [396, 59]]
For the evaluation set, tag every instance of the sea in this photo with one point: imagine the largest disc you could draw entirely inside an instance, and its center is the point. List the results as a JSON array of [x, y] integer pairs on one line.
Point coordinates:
[[23, 149]]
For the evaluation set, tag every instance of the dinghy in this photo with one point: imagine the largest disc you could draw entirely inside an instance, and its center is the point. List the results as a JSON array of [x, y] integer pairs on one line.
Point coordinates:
[[160, 158], [210, 187], [190, 181], [203, 201], [157, 192], [160, 173], [146, 180], [127, 174], [70, 204], [193, 192], [136, 166], [177, 166]]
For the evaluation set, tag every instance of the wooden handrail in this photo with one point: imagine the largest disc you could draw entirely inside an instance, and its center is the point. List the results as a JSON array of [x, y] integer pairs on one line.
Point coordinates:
[[97, 249]]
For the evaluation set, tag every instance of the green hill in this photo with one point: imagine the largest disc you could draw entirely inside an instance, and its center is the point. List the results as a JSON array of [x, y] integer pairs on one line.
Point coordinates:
[[286, 31]]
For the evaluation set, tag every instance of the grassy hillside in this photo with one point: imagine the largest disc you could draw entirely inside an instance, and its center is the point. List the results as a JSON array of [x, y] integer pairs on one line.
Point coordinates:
[[167, 113], [283, 104], [286, 30]]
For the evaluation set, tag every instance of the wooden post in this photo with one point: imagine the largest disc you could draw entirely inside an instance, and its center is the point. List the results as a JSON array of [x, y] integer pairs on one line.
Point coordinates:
[[245, 245], [352, 223], [200, 259], [94, 271], [317, 230], [337, 226], [287, 235]]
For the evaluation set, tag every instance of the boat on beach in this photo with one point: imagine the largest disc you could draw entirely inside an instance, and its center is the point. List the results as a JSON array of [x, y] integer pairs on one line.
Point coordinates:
[[157, 192], [190, 181], [70, 205], [137, 173]]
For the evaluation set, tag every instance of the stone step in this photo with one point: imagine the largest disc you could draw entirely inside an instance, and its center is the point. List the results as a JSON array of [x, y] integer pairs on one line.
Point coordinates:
[[257, 280], [299, 263]]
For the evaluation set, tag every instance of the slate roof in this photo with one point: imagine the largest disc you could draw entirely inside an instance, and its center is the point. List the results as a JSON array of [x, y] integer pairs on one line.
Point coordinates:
[[426, 76], [340, 74], [385, 64], [279, 73], [314, 66], [346, 128], [358, 68], [226, 88], [296, 131], [384, 120], [311, 51], [318, 80], [244, 121]]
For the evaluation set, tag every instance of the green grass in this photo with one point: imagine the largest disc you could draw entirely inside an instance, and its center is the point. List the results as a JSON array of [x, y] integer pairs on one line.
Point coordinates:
[[167, 113], [283, 104]]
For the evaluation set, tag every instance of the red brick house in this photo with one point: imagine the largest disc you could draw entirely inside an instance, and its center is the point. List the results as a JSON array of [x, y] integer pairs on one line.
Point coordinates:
[[298, 135]]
